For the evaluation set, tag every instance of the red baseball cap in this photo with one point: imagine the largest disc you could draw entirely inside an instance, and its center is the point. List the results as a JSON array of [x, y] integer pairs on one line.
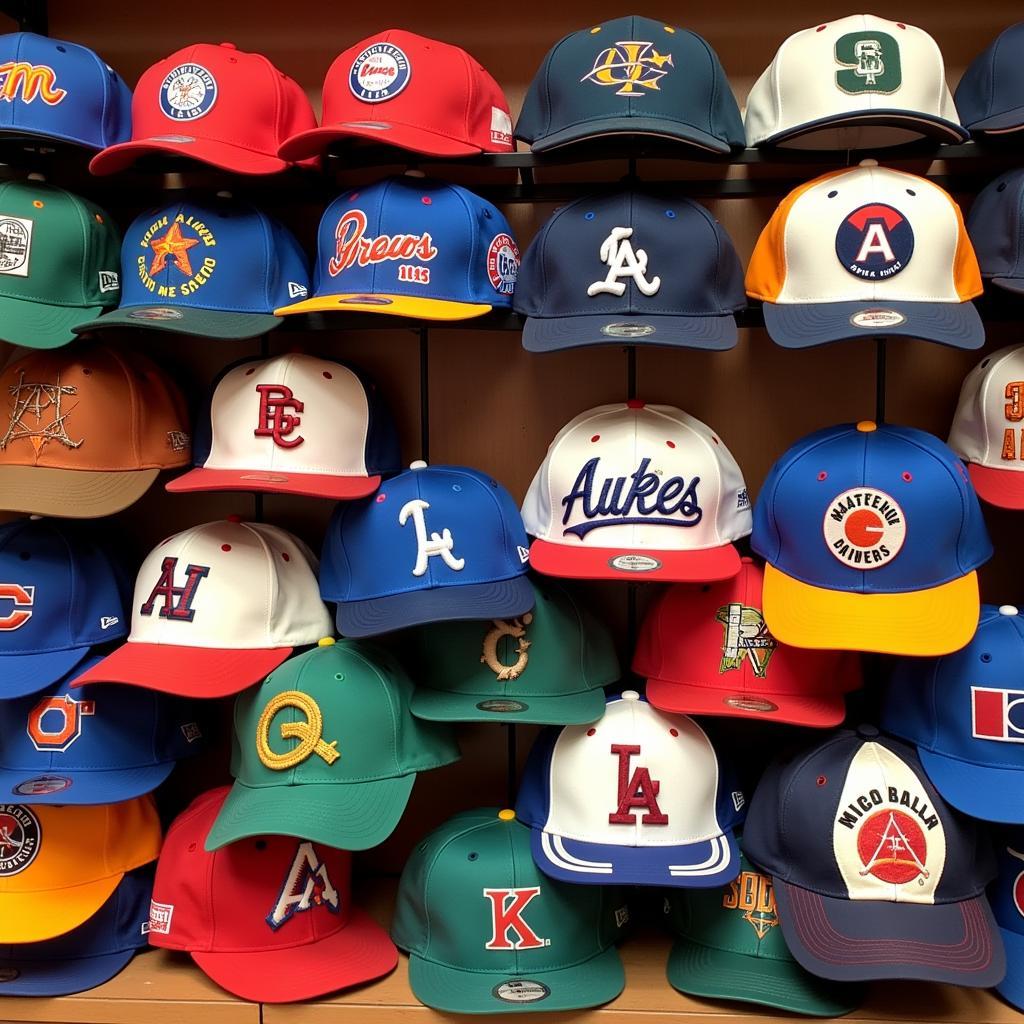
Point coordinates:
[[707, 651], [215, 104], [412, 92], [270, 919]]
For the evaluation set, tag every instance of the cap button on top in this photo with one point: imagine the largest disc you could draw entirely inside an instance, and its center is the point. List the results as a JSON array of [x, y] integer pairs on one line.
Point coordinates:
[[867, 426], [635, 403], [229, 46], [1008, 609], [867, 732], [869, 162], [507, 815], [326, 641], [630, 695], [418, 464], [234, 518]]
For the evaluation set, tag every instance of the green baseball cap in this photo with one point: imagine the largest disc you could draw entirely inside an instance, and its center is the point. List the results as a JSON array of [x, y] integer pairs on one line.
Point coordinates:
[[325, 749], [729, 945], [486, 932], [546, 667], [60, 261]]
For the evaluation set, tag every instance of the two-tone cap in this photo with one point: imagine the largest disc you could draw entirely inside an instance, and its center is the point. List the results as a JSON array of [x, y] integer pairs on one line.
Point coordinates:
[[217, 607], [486, 932], [406, 90], [435, 543], [412, 247], [631, 76], [727, 662], [84, 433], [637, 798], [996, 229], [637, 491], [872, 535], [546, 666], [59, 865], [270, 919], [215, 104], [860, 82], [217, 270], [327, 749], [865, 252], [606, 271], [1006, 896], [875, 875], [990, 95]]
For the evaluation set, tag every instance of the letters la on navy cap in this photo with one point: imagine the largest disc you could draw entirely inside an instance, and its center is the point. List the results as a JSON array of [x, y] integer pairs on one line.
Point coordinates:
[[990, 96]]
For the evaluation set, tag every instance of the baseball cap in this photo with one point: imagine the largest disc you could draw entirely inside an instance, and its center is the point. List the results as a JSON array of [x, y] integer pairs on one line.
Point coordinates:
[[605, 270], [864, 252], [1006, 896], [726, 661], [639, 491], [347, 780], [86, 956], [435, 543], [216, 608], [409, 91], [631, 76], [989, 96], [60, 594], [58, 261], [412, 247], [872, 535], [215, 104], [996, 229], [637, 798], [860, 82], [874, 875], [546, 666], [271, 919], [728, 945], [84, 433], [486, 932], [53, 89], [292, 424], [59, 865]]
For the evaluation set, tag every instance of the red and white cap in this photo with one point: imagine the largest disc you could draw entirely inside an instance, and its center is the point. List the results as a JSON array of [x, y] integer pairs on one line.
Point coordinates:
[[639, 491], [216, 608]]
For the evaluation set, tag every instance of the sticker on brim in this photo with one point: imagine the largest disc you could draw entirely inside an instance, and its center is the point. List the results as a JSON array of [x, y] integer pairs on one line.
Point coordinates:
[[877, 319], [749, 704], [42, 785], [502, 707], [264, 478], [634, 563], [628, 330], [373, 126], [379, 73], [503, 263], [178, 140], [9, 974], [156, 313], [367, 300], [521, 991]]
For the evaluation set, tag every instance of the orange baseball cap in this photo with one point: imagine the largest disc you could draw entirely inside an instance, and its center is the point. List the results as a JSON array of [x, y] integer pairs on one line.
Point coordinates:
[[84, 433], [59, 865]]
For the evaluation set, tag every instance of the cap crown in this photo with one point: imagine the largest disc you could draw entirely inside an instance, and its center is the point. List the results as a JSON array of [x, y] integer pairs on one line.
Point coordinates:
[[993, 84], [996, 225], [1006, 893], [883, 510]]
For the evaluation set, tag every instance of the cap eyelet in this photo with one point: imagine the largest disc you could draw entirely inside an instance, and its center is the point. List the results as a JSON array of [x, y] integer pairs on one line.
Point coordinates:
[[192, 847], [225, 547], [671, 214], [821, 780], [328, 375], [339, 676], [822, 475], [911, 192], [99, 218], [456, 487], [591, 731], [596, 437], [62, 49], [38, 203], [381, 498], [673, 732], [1001, 187], [670, 444], [906, 476], [426, 200], [260, 844], [589, 215], [986, 657], [286, 556], [86, 372], [472, 856], [832, 194]]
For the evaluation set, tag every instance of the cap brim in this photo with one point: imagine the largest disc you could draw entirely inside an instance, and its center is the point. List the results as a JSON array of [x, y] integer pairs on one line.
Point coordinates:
[[36, 916], [218, 154], [1001, 487], [502, 599], [206, 323], [864, 940], [389, 133], [930, 126], [36, 325], [312, 485], [185, 671], [71, 493], [359, 952], [572, 561], [1011, 988], [1010, 284], [390, 305], [553, 334], [991, 794], [1003, 123], [567, 709], [452, 990], [24, 674], [85, 788], [806, 325], [60, 977], [664, 128], [348, 816], [926, 623]]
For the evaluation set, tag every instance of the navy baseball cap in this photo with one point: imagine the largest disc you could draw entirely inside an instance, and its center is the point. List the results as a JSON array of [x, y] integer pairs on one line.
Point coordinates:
[[875, 875], [996, 227], [606, 270], [434, 544], [60, 594], [213, 270], [872, 535], [990, 96], [1006, 896], [631, 76], [414, 247]]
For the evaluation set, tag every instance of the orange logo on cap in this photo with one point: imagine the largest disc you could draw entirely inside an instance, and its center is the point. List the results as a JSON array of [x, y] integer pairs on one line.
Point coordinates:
[[63, 712], [38, 414], [30, 80], [22, 599]]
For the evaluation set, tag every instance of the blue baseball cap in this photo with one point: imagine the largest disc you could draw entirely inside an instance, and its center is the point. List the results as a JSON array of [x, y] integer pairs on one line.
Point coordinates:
[[214, 270], [631, 76], [875, 875], [88, 955], [52, 89], [872, 535], [996, 227], [434, 544], [990, 96], [412, 247], [606, 270], [638, 797], [1006, 895], [60, 594]]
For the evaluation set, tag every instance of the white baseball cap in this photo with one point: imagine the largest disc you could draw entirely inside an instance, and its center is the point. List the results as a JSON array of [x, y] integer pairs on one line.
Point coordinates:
[[636, 798], [857, 83], [988, 427], [293, 424], [864, 252], [216, 608], [637, 490]]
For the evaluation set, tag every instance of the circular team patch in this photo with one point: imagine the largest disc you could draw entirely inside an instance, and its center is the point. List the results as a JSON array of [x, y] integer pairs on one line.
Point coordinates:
[[634, 563], [875, 242], [155, 313], [42, 785], [864, 528], [521, 991], [379, 73], [628, 330], [503, 264], [877, 319], [892, 847], [20, 836], [188, 92], [502, 707]]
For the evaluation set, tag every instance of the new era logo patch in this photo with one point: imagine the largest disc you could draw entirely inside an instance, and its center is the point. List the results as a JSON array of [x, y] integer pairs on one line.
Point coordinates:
[[997, 714], [109, 281], [297, 291]]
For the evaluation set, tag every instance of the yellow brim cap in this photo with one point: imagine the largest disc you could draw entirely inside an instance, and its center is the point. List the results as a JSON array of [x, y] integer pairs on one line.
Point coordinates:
[[391, 305], [39, 915]]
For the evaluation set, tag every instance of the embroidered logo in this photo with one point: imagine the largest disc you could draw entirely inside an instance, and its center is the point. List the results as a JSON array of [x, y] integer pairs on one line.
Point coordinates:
[[379, 73], [28, 82], [15, 245], [170, 247], [309, 733], [1018, 883], [501, 127], [864, 528], [274, 419], [32, 404], [1014, 413], [632, 66], [503, 263], [636, 790], [352, 247], [875, 242], [892, 847], [439, 544], [177, 604], [188, 92], [160, 915], [997, 714], [56, 722], [109, 281], [746, 639], [752, 893], [16, 605], [306, 885], [514, 630], [507, 909], [623, 262], [20, 838], [869, 62]]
